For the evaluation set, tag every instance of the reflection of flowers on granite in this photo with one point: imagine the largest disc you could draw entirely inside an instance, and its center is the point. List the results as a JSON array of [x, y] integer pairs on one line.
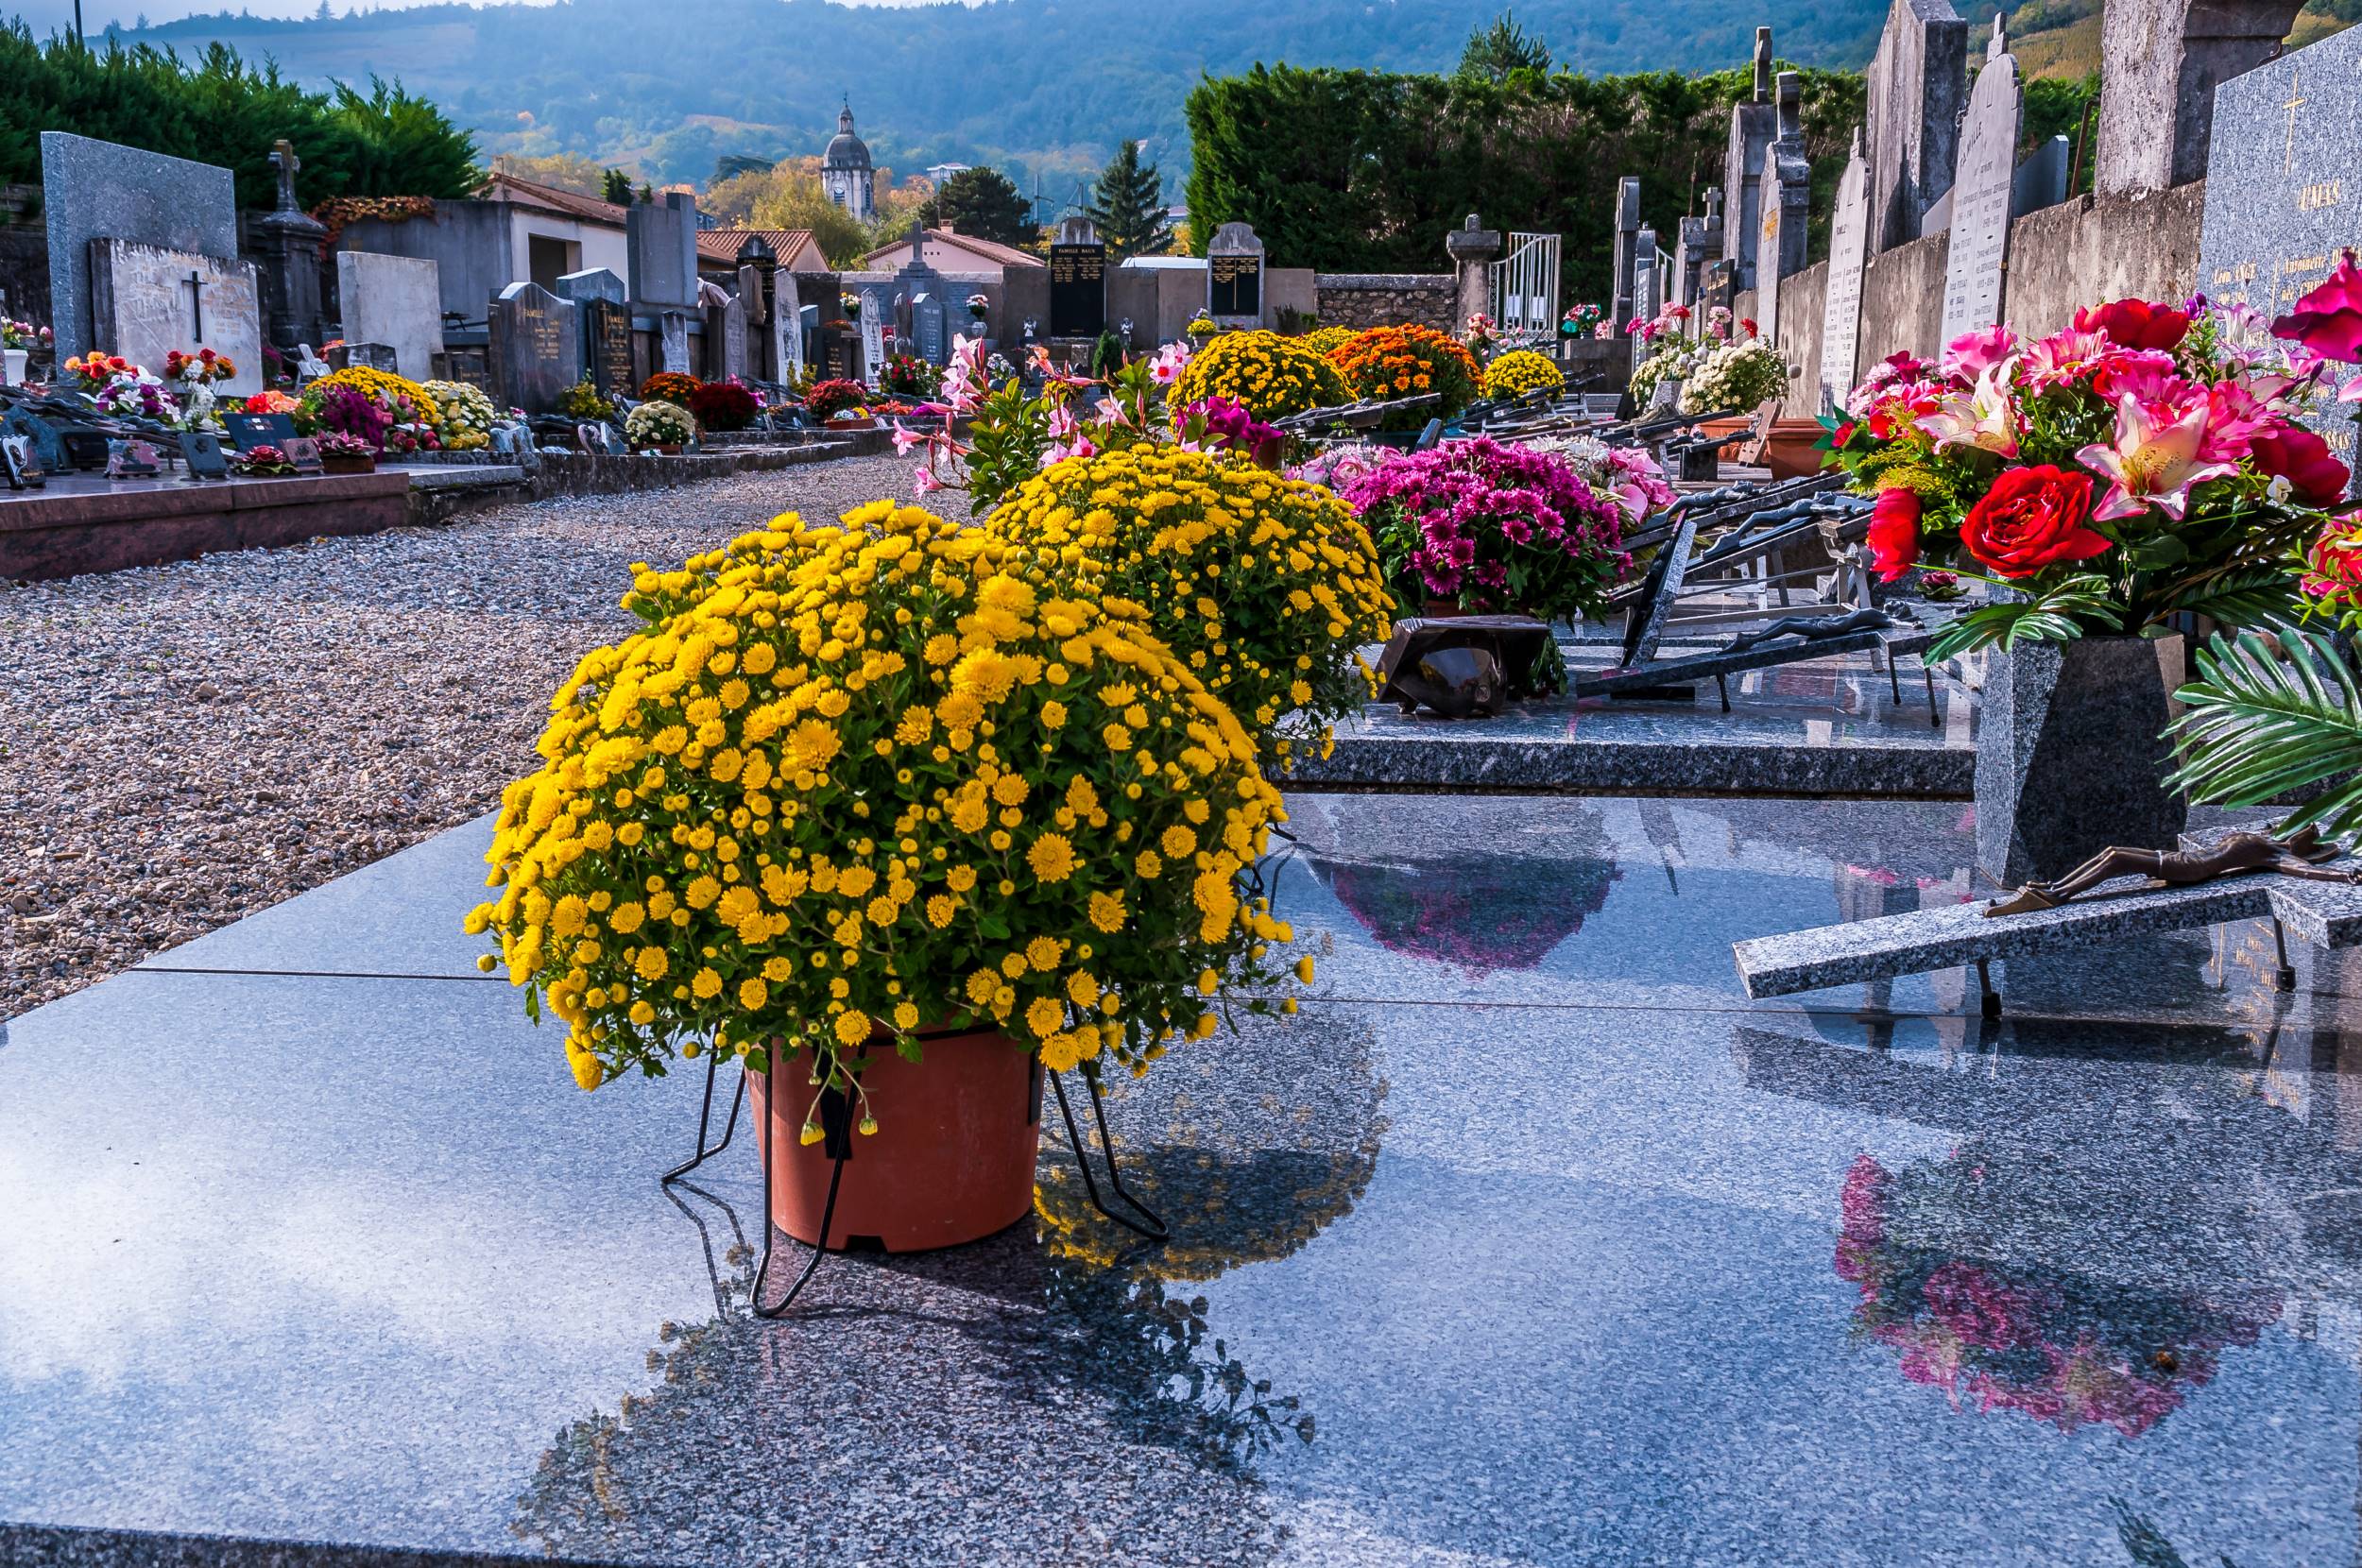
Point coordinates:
[[1482, 912], [2064, 1349]]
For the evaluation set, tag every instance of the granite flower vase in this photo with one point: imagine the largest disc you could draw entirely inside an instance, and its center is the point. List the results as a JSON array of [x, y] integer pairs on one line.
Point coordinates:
[[2070, 756], [951, 1160]]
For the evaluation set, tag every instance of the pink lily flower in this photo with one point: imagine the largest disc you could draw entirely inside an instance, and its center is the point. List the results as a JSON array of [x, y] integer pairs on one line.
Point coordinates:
[[2066, 356], [924, 481], [905, 438], [2151, 463], [2234, 414], [1062, 422], [1983, 419], [1167, 366], [1971, 354]]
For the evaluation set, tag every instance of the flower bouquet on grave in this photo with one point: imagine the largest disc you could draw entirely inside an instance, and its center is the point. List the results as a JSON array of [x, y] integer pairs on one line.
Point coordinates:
[[1481, 334], [665, 426], [263, 462], [1628, 476], [402, 440], [349, 411], [270, 402], [2145, 462], [836, 399], [723, 405], [908, 376], [1673, 351], [467, 415], [886, 870], [1582, 321], [672, 386], [1403, 362], [1520, 371], [24, 335], [978, 304], [92, 372], [1971, 1314], [1742, 375], [341, 453], [850, 305], [135, 394]]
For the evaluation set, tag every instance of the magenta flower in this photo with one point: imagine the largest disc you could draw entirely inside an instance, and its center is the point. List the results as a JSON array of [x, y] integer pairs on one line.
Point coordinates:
[[2151, 463], [1983, 419], [2328, 320], [1971, 354]]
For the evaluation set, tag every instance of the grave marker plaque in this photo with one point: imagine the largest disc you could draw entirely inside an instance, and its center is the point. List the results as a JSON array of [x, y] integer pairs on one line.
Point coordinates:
[[1234, 276], [147, 300], [1078, 290], [1840, 314], [607, 331], [1982, 185], [536, 348], [2277, 208]]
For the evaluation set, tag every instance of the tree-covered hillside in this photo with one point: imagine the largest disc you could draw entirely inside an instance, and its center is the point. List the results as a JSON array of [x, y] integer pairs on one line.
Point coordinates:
[[1042, 88]]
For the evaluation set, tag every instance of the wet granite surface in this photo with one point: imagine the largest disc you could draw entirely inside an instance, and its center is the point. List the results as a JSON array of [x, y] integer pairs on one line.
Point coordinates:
[[1831, 726], [1533, 1241]]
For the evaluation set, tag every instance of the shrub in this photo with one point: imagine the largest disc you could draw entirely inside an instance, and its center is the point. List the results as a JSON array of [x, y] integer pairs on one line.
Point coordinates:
[[582, 402], [723, 405], [831, 400]]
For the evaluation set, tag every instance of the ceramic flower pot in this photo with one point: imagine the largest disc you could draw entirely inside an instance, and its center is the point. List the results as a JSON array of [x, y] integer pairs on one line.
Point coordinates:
[[842, 423], [952, 1160], [1789, 451], [2068, 755], [16, 358], [670, 448]]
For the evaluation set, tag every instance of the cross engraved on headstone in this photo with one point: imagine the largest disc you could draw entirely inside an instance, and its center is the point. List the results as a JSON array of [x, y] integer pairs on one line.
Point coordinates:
[[195, 280], [284, 158], [2296, 101]]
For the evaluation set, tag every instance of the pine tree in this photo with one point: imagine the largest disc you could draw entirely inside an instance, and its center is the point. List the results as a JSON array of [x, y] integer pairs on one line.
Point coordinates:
[[983, 202], [323, 14], [1128, 206], [615, 186], [1494, 51], [647, 192]]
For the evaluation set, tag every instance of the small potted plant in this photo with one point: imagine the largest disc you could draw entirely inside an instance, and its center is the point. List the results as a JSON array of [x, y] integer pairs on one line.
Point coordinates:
[[264, 462], [839, 405], [670, 386], [579, 401], [665, 426], [343, 453], [723, 405]]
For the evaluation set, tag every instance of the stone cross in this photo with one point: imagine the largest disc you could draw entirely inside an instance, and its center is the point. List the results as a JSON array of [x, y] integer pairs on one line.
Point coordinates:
[[1763, 64], [284, 158], [919, 243], [1714, 205]]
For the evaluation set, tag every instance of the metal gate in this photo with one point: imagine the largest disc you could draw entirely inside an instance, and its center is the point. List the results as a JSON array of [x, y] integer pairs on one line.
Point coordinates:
[[1525, 293]]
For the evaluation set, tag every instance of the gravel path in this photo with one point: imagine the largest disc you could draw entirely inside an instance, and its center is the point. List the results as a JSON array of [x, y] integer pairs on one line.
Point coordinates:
[[183, 745]]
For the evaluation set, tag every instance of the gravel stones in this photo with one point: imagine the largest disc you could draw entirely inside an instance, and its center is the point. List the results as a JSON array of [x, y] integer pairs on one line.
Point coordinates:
[[183, 745]]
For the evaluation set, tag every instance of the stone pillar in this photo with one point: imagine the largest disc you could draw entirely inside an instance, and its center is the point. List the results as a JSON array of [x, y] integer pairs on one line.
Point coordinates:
[[2165, 58], [290, 242], [1473, 251], [1619, 308], [1751, 129]]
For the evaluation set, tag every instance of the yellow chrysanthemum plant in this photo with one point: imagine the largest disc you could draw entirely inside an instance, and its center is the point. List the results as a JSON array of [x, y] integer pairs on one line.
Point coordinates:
[[1520, 371], [1271, 376], [1265, 587], [896, 774]]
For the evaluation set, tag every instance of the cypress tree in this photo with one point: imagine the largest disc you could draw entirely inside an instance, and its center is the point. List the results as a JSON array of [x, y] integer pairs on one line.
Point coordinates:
[[615, 186], [1128, 206]]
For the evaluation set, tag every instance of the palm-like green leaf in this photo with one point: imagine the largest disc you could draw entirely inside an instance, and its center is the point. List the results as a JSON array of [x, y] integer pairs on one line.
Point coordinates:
[[2057, 616], [2245, 596], [2262, 725]]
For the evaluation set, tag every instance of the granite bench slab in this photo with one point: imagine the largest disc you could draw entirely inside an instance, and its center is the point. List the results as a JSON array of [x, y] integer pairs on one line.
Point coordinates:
[[2326, 915]]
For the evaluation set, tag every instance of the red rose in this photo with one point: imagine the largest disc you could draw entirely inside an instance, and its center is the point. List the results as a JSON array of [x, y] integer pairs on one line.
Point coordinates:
[[2329, 319], [2136, 323], [2304, 459], [1894, 533], [2031, 518]]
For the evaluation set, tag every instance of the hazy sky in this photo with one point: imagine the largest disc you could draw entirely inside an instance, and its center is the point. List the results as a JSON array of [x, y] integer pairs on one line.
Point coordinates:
[[47, 16]]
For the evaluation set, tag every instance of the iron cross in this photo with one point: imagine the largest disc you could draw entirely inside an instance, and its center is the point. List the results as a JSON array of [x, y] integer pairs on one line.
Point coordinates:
[[195, 280]]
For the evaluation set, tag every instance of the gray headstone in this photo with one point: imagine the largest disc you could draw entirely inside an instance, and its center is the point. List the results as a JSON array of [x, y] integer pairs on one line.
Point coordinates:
[[787, 321], [145, 300], [395, 300], [726, 329], [2042, 179], [1234, 276], [606, 347], [1783, 201], [1980, 195], [1646, 298], [1621, 305], [660, 240], [1753, 125], [672, 341], [1841, 311], [97, 190], [876, 313], [1918, 81], [596, 283], [367, 356], [2158, 94], [931, 328], [2277, 211], [1700, 242], [536, 348]]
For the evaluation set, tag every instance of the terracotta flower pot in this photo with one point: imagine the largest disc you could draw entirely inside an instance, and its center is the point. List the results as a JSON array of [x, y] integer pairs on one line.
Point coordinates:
[[952, 1160], [670, 448], [331, 462], [1737, 425], [1790, 453], [844, 423]]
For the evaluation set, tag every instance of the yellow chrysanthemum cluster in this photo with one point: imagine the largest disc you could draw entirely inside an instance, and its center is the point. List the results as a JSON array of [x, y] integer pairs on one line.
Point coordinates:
[[1323, 340], [1405, 360], [1264, 584], [877, 776], [1520, 371], [1273, 376], [387, 390]]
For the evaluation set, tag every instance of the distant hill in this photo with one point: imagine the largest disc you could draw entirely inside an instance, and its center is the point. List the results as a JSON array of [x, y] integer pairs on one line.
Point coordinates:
[[1043, 88]]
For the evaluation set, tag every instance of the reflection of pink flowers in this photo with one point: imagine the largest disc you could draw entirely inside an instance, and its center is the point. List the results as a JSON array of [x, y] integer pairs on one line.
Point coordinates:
[[1478, 913]]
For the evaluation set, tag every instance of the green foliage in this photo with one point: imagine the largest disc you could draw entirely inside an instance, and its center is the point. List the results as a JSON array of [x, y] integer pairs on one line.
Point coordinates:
[[221, 110], [615, 186], [2057, 614], [2259, 727], [984, 203], [1493, 52], [1360, 171], [1128, 206], [2059, 105]]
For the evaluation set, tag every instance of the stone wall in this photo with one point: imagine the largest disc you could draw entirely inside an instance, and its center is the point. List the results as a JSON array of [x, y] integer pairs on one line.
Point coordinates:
[[1359, 299], [24, 271], [2080, 252]]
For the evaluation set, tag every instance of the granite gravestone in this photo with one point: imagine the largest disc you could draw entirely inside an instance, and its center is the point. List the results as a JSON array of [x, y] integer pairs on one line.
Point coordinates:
[[290, 240], [1078, 281], [1784, 201], [2277, 210], [1647, 268], [1982, 188], [1753, 125], [1699, 241], [787, 321], [2042, 180], [94, 190], [672, 341], [876, 313], [1841, 311], [1917, 80], [2158, 93], [395, 300], [599, 296], [1234, 276], [536, 348], [726, 332], [1619, 305], [661, 245], [145, 300], [1718, 285]]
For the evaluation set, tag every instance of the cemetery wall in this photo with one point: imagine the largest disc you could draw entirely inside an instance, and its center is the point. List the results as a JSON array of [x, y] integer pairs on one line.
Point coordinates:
[[24, 270], [1359, 299], [1803, 309]]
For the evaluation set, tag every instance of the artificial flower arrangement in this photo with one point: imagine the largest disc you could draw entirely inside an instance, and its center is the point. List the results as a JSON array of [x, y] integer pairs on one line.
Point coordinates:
[[467, 415], [853, 782], [1403, 361], [93, 372], [1200, 328], [579, 401], [1582, 321], [659, 423], [978, 304], [270, 402], [1491, 527], [1269, 375], [671, 386], [1520, 371], [260, 462], [349, 411], [345, 453], [199, 368], [850, 304], [412, 436], [1263, 585], [834, 400], [1739, 376], [23, 335], [1626, 477], [2145, 462], [908, 376], [723, 405], [1674, 352], [1480, 332], [136, 394]]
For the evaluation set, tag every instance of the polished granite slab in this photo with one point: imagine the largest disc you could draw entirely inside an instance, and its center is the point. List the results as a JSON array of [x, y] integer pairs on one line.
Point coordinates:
[[1533, 1242], [1831, 726]]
